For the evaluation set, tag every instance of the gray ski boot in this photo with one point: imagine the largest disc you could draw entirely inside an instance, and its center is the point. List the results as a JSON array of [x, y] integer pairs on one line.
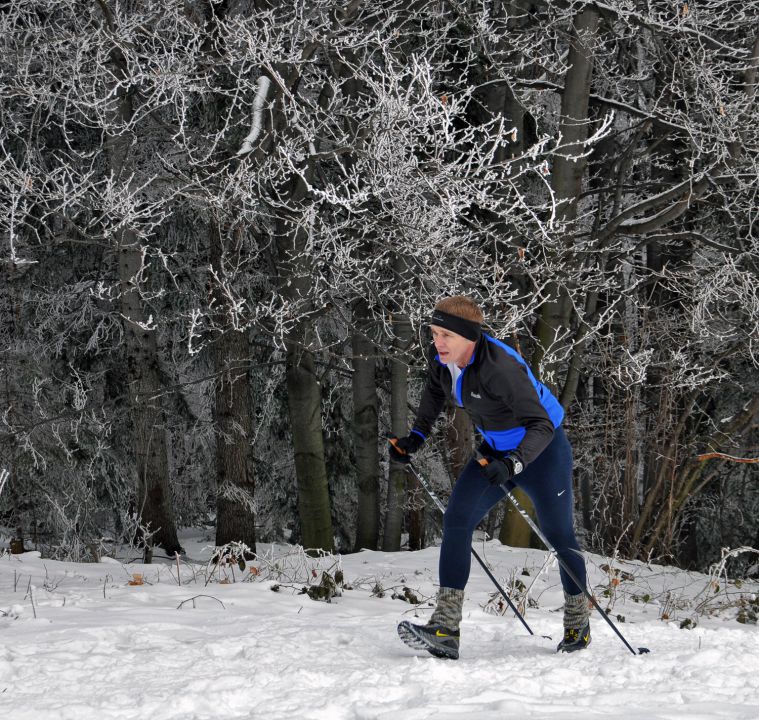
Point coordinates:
[[576, 623], [440, 636]]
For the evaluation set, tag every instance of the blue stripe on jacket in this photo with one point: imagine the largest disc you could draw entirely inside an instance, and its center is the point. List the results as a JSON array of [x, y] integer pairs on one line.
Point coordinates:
[[505, 440], [547, 398]]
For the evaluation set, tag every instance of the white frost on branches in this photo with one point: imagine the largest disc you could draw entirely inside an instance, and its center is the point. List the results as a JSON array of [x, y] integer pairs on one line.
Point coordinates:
[[258, 109], [633, 367]]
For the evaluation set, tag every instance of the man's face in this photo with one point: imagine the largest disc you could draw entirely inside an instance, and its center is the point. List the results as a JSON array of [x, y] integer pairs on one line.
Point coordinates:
[[451, 348]]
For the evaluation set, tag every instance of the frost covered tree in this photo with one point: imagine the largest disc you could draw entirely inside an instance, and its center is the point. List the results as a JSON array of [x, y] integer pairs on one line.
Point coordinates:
[[224, 221]]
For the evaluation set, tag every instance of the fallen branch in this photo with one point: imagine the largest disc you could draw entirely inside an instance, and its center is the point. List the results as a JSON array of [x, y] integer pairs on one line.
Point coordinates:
[[193, 599], [723, 456]]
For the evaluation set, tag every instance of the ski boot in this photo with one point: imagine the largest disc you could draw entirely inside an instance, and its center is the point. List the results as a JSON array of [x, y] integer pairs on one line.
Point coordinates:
[[440, 636], [437, 640], [576, 623], [575, 639]]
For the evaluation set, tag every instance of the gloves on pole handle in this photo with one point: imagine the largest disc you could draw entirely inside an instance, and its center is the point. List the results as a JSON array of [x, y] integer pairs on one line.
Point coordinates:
[[401, 449], [499, 471]]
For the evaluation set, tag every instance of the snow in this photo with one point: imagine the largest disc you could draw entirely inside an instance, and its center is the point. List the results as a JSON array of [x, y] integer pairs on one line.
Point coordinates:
[[100, 648]]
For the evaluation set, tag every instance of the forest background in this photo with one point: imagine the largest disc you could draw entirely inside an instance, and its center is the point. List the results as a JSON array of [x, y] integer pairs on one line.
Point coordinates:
[[224, 223]]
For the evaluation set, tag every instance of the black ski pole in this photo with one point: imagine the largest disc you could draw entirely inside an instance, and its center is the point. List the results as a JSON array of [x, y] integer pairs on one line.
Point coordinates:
[[508, 487], [439, 504]]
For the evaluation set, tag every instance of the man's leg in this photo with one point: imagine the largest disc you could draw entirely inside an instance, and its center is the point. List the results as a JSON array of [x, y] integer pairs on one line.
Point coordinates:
[[471, 499], [548, 483]]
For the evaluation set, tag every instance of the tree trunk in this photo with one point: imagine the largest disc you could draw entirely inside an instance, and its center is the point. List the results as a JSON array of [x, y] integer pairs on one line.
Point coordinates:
[[12, 408], [365, 430], [304, 395], [304, 404], [416, 500], [154, 505], [554, 317], [233, 417], [567, 174], [303, 386], [231, 353], [399, 426], [515, 532]]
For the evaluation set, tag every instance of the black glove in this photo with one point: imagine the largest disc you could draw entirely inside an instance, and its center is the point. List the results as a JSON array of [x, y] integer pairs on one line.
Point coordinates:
[[497, 471], [401, 449]]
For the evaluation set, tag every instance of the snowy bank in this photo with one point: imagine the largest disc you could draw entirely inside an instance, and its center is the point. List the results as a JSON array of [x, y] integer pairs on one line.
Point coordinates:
[[225, 645]]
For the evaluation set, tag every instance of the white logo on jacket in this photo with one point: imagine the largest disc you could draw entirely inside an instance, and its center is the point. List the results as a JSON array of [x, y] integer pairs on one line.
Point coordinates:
[[475, 395]]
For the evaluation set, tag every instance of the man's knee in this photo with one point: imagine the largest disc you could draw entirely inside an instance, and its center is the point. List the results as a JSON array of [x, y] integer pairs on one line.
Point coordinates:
[[456, 524], [563, 543], [457, 515]]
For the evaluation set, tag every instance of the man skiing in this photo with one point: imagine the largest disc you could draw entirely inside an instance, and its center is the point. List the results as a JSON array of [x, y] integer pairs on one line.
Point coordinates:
[[523, 443]]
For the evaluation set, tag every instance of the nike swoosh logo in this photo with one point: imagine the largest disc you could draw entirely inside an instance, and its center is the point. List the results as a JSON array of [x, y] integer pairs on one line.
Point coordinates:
[[441, 634], [561, 493]]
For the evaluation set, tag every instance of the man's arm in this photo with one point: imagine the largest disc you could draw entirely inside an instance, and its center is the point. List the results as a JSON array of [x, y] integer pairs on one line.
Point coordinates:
[[516, 389], [433, 398]]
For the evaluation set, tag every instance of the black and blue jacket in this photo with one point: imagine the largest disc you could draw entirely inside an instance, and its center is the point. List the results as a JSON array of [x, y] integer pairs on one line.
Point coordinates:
[[510, 408]]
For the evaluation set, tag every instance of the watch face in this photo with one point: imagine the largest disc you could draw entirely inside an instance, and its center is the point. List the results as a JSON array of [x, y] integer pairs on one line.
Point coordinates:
[[518, 467]]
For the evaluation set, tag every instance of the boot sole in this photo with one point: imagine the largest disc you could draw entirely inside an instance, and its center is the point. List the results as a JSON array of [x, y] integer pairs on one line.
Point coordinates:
[[409, 635]]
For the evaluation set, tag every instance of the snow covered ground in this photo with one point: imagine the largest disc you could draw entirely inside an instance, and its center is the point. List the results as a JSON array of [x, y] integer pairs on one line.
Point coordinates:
[[101, 648]]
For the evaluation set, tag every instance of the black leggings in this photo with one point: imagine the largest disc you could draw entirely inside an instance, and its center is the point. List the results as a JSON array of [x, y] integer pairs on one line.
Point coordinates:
[[548, 483]]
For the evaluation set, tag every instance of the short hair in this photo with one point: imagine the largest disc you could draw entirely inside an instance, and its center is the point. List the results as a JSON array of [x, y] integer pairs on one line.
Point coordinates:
[[461, 306]]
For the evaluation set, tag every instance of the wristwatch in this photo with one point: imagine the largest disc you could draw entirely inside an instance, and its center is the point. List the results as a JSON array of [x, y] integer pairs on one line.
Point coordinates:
[[516, 464]]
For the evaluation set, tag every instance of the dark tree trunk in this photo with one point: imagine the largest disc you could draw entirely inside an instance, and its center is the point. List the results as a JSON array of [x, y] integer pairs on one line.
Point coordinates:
[[154, 505], [365, 430], [231, 354], [396, 490], [233, 415], [9, 450], [148, 422], [304, 403], [569, 169], [567, 177], [460, 440], [304, 391]]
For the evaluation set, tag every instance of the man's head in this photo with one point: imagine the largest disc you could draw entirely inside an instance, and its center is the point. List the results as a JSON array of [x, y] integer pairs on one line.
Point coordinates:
[[455, 326], [461, 306]]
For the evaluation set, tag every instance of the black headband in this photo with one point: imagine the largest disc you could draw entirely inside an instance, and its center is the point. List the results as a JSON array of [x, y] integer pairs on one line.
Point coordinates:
[[466, 328]]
